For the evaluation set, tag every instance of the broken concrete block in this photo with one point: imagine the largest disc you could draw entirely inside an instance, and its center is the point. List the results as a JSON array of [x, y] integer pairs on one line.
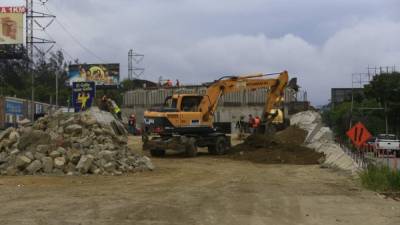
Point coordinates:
[[107, 155], [55, 154], [13, 137], [147, 162], [39, 155], [43, 148], [73, 128], [34, 167], [109, 167], [59, 162], [70, 167], [33, 138], [22, 162], [47, 164], [3, 157], [74, 155], [14, 152], [61, 150], [84, 163], [30, 155], [6, 133]]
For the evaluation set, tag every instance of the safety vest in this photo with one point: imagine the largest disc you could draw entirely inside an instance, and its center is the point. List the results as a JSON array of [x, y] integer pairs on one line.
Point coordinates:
[[117, 109]]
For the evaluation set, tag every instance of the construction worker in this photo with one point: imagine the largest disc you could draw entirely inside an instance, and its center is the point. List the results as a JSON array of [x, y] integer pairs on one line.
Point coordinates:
[[132, 123], [177, 83], [115, 109], [257, 123], [104, 103], [169, 83], [251, 123]]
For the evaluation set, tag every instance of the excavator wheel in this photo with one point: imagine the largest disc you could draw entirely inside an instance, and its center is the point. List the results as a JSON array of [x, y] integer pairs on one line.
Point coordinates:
[[157, 152], [220, 147], [191, 148]]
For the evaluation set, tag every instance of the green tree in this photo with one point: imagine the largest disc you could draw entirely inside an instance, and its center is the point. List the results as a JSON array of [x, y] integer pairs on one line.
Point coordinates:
[[385, 88]]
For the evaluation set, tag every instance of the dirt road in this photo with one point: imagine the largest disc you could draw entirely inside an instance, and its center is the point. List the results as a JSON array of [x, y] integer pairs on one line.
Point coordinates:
[[202, 190]]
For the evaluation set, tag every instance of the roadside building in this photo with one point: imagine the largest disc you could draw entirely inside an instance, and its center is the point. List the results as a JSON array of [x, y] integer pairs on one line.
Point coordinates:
[[339, 95], [14, 109]]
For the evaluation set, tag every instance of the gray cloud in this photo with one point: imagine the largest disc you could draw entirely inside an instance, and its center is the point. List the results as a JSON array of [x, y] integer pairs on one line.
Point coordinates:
[[321, 42]]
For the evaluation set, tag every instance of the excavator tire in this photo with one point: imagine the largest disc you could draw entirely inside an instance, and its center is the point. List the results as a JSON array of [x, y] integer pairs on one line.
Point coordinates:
[[157, 152], [221, 146], [191, 148]]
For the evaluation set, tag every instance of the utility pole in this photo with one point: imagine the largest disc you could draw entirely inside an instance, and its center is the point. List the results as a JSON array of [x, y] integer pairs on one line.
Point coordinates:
[[386, 119], [31, 41], [57, 90]]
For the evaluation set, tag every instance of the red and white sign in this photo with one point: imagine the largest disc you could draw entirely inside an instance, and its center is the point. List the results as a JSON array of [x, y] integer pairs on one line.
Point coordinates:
[[13, 9], [358, 134]]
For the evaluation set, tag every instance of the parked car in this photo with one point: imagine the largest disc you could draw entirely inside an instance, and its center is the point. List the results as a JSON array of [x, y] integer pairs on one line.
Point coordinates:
[[388, 143]]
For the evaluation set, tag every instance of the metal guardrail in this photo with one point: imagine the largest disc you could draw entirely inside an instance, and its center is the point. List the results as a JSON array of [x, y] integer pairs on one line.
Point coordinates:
[[370, 156]]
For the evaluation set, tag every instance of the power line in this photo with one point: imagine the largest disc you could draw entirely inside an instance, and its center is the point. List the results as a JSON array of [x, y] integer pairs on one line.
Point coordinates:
[[74, 38], [61, 48]]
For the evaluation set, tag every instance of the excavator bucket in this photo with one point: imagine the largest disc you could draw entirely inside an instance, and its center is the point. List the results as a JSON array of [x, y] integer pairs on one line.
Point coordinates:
[[293, 84]]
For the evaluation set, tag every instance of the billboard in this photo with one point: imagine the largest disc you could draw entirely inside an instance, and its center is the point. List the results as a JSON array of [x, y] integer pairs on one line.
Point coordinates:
[[83, 95], [100, 74], [12, 25]]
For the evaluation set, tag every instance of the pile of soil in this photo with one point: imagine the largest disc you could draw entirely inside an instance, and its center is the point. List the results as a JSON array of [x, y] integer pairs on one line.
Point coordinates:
[[284, 147]]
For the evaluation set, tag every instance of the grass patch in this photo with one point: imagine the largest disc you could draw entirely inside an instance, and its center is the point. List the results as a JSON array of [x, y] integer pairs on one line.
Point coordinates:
[[380, 179]]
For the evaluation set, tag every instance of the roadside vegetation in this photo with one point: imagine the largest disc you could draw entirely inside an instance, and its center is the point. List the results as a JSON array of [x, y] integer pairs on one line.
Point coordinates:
[[380, 179]]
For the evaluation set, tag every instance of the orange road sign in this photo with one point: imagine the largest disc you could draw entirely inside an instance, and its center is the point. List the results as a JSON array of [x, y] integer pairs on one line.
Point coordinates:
[[358, 134]]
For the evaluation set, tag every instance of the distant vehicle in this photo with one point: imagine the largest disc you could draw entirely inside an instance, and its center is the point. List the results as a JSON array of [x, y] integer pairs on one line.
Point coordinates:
[[371, 141], [389, 143]]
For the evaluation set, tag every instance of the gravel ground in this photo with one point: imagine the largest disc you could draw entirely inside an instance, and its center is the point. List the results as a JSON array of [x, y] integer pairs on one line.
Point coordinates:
[[201, 190]]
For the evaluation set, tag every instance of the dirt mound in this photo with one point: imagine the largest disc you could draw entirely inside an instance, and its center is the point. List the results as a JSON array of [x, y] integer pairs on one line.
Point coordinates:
[[292, 135], [284, 147]]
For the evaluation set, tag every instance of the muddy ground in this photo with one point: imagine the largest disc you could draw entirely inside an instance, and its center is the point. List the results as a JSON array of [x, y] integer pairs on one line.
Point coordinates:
[[285, 147], [202, 190]]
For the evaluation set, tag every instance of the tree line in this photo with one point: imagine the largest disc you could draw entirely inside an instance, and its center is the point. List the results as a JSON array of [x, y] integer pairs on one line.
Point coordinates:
[[15, 79], [378, 103]]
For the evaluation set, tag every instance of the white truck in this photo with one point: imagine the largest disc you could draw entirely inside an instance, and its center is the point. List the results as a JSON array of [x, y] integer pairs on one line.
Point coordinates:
[[388, 144]]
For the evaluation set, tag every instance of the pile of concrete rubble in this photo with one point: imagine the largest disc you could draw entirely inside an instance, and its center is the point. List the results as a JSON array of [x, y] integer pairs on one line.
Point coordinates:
[[73, 144], [322, 139]]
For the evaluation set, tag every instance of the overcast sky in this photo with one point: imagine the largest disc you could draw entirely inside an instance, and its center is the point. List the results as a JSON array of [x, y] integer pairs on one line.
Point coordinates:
[[322, 42]]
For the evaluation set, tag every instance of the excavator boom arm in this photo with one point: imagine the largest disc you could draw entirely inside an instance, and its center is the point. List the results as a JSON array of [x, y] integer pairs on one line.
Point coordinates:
[[251, 82]]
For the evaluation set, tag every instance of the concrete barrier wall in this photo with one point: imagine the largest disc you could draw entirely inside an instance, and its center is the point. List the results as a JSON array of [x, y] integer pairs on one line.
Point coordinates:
[[231, 106], [148, 98]]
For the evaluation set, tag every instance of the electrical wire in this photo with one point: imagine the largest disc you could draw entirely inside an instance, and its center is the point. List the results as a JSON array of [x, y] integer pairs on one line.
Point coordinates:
[[76, 40], [61, 48]]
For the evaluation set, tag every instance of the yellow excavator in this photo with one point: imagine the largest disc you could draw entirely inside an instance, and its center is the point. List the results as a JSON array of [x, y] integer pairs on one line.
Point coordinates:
[[185, 122]]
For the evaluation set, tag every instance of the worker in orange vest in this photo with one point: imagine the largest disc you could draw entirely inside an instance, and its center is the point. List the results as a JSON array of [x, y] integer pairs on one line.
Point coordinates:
[[257, 123]]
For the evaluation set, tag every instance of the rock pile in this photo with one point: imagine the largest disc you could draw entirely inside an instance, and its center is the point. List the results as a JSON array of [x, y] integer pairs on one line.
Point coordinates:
[[70, 144]]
